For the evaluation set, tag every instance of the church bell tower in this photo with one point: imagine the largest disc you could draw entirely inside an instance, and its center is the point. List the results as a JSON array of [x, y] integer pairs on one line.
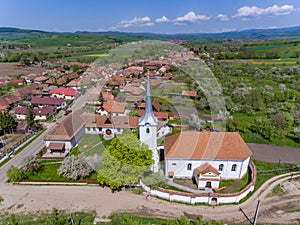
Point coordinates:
[[148, 128]]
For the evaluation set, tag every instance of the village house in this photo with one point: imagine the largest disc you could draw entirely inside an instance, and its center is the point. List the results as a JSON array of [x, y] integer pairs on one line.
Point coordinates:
[[206, 157], [66, 93], [65, 135], [190, 94], [108, 126], [8, 102], [39, 113], [40, 102], [112, 109]]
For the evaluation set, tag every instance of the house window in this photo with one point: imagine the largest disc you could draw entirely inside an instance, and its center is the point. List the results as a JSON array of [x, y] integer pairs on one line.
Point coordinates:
[[233, 168], [221, 167], [189, 166], [147, 130]]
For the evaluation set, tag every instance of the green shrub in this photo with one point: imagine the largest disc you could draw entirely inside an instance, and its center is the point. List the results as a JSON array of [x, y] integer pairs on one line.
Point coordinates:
[[14, 174]]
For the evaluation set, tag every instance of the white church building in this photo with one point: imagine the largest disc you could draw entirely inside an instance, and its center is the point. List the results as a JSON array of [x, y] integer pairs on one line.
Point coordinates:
[[206, 157]]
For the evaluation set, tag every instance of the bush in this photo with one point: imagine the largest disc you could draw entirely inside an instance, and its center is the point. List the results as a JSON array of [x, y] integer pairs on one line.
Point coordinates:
[[31, 165], [74, 168], [14, 174], [154, 180]]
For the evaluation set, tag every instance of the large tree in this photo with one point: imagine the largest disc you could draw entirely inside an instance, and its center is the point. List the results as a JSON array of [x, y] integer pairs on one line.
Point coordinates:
[[124, 161], [7, 122], [33, 124]]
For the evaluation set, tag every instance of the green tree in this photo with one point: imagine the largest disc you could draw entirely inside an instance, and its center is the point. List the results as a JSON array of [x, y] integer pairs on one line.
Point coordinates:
[[14, 174], [255, 100], [124, 161], [264, 127], [7, 122], [101, 98], [33, 124]]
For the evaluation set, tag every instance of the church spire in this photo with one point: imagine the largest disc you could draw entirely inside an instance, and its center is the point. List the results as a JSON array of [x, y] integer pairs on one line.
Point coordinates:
[[148, 117]]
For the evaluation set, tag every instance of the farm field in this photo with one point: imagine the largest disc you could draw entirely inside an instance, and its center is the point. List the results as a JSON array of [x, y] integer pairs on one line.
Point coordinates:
[[7, 69]]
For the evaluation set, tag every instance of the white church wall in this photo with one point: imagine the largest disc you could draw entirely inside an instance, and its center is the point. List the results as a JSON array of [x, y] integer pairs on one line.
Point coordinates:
[[180, 167]]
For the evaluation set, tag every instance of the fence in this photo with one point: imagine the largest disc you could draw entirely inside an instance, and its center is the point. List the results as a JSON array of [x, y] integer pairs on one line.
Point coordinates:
[[209, 198], [8, 151]]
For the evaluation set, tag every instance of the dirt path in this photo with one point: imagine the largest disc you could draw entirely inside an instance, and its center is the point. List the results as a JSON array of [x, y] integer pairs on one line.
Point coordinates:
[[19, 198]]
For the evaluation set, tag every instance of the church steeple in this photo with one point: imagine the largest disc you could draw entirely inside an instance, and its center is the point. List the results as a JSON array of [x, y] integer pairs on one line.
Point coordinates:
[[148, 128], [148, 117]]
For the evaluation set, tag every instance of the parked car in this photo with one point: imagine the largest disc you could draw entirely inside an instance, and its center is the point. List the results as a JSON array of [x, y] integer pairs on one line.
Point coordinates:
[[68, 111]]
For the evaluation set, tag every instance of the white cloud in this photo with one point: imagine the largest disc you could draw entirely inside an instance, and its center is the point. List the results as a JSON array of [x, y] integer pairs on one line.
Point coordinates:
[[222, 17], [274, 10], [163, 19], [137, 22], [190, 17]]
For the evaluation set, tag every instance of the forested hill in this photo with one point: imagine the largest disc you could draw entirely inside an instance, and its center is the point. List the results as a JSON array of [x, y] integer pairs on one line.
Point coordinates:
[[11, 34]]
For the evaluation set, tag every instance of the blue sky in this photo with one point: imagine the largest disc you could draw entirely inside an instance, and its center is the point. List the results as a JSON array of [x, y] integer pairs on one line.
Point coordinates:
[[157, 16]]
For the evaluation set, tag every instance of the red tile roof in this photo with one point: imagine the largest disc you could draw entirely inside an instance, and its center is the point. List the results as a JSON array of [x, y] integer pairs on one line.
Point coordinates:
[[37, 111], [47, 101], [207, 145], [64, 91], [113, 107], [189, 93], [206, 168], [56, 146], [159, 115], [66, 130]]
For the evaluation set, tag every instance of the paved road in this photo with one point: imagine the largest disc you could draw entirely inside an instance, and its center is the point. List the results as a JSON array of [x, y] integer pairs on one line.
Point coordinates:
[[38, 143], [270, 153]]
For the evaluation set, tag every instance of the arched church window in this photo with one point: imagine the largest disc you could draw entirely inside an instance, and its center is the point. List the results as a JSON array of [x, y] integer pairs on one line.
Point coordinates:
[[221, 167], [233, 168], [147, 130], [189, 166]]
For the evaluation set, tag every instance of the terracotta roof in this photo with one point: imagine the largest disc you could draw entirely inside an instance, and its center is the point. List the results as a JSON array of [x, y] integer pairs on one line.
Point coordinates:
[[11, 99], [41, 78], [159, 115], [56, 146], [207, 145], [47, 101], [64, 91], [125, 121], [95, 120], [108, 96], [206, 168], [156, 105], [66, 130], [44, 111], [113, 107], [189, 93]]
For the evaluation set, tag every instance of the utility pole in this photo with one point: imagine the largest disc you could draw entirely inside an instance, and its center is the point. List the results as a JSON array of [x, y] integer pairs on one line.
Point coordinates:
[[256, 212], [71, 218]]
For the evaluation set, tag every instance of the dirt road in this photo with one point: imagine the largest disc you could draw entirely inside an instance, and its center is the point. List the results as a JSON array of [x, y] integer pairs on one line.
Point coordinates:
[[19, 198]]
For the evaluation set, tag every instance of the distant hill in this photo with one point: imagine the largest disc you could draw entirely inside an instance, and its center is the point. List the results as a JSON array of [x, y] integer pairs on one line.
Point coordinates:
[[13, 34]]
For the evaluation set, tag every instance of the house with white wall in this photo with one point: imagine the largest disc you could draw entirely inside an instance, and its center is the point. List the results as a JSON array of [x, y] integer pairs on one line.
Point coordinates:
[[206, 157], [65, 135]]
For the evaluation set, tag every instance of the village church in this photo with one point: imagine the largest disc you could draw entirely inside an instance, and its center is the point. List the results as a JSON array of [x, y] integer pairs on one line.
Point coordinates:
[[206, 157]]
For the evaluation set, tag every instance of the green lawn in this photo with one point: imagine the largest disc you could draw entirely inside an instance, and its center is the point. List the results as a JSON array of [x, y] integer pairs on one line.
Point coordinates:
[[91, 144], [57, 217], [266, 166], [47, 172]]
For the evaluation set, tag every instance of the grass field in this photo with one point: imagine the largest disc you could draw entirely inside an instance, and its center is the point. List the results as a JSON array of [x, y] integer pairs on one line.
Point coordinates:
[[91, 144], [56, 217]]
